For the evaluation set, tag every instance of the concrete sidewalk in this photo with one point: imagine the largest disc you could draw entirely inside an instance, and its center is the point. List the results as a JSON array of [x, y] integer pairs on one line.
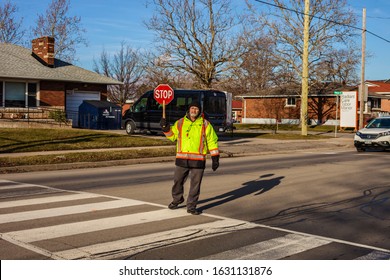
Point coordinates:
[[255, 146]]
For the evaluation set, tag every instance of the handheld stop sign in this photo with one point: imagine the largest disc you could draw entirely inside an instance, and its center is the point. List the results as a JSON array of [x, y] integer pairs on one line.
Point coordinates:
[[163, 94]]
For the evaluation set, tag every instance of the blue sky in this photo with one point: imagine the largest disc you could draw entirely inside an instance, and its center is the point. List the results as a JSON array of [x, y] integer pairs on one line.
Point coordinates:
[[378, 22], [108, 23]]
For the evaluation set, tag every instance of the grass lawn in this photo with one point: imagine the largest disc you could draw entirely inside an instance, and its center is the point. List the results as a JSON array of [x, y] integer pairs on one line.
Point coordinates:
[[86, 157], [14, 140]]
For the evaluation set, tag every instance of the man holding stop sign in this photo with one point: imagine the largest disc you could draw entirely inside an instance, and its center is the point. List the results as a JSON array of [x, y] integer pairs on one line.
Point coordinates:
[[194, 137], [163, 94]]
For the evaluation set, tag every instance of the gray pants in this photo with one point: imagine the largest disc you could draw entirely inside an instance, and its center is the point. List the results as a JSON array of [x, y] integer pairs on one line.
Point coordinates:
[[180, 177]]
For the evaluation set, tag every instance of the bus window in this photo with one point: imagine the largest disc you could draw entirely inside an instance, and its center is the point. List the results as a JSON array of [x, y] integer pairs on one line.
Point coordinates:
[[181, 104], [154, 105], [141, 105], [194, 98], [215, 104], [172, 105]]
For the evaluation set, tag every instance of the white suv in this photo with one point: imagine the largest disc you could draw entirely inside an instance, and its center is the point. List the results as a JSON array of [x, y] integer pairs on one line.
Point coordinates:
[[375, 134]]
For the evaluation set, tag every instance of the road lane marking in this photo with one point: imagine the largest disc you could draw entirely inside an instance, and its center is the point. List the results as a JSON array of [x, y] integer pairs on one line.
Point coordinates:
[[328, 238], [18, 186], [134, 245], [272, 249], [31, 247], [68, 210], [375, 255], [37, 234], [50, 199]]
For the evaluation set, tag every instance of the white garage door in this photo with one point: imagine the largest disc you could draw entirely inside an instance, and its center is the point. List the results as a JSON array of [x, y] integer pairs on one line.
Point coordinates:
[[74, 100]]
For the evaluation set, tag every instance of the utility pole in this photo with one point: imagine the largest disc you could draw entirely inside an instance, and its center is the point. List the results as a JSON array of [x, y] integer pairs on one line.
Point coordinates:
[[305, 70], [362, 87]]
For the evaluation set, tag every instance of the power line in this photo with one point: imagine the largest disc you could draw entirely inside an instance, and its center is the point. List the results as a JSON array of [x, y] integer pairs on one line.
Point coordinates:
[[387, 18], [332, 21], [380, 37]]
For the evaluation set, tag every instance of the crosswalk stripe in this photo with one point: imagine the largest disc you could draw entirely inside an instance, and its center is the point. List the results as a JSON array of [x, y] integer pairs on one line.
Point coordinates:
[[276, 248], [18, 186], [56, 198], [327, 238], [375, 255], [61, 211], [134, 245], [32, 235], [30, 247], [7, 183]]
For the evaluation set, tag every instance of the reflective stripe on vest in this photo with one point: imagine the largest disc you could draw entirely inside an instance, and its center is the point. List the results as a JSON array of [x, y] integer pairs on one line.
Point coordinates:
[[190, 156], [202, 138], [169, 133], [179, 136], [214, 152]]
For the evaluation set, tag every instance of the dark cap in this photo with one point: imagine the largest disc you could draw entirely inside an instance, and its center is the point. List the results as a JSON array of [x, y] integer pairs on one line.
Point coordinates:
[[194, 103]]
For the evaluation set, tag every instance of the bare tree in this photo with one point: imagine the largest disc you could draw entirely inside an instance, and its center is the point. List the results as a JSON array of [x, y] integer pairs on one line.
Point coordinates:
[[338, 67], [197, 36], [157, 71], [125, 66], [330, 32], [10, 26], [256, 71], [66, 30]]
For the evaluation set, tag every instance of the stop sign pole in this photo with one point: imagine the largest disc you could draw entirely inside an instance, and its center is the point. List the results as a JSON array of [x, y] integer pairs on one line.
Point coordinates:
[[163, 94]]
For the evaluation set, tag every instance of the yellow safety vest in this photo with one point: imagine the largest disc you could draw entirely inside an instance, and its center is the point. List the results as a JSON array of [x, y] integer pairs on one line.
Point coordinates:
[[194, 139]]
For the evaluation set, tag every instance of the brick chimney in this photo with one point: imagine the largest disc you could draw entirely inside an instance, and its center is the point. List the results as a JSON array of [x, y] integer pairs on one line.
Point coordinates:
[[43, 49]]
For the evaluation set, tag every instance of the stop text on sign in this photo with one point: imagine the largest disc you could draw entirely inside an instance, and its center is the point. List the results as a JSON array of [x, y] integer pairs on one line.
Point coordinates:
[[163, 94]]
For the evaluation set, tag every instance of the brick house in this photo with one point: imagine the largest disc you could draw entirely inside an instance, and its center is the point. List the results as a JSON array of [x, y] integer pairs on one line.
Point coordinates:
[[34, 81], [285, 108], [237, 110], [378, 100]]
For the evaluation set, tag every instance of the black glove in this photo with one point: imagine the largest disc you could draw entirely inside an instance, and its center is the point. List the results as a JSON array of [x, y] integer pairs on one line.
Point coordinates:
[[215, 163], [165, 126]]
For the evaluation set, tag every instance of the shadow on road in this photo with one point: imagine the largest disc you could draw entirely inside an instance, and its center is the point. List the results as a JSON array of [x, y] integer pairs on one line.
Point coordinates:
[[373, 202], [255, 187]]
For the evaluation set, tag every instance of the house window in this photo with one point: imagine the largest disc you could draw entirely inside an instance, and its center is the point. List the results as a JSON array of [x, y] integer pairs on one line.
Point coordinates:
[[1, 93], [291, 101], [376, 103], [15, 94], [18, 94]]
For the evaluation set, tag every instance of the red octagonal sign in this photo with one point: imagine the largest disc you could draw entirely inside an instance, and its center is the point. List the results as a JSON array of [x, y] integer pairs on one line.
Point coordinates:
[[163, 93]]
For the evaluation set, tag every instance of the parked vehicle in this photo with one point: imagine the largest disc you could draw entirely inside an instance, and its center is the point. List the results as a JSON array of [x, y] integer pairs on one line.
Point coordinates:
[[376, 134], [146, 113]]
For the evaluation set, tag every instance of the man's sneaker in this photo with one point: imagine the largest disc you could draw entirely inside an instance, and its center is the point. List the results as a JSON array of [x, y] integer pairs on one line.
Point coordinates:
[[194, 211], [174, 206]]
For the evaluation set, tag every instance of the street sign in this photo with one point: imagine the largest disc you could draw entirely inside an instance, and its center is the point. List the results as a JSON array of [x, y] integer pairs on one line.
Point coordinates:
[[163, 94], [338, 92]]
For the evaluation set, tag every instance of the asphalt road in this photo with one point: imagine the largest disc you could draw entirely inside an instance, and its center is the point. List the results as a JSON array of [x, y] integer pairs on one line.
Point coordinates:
[[319, 203]]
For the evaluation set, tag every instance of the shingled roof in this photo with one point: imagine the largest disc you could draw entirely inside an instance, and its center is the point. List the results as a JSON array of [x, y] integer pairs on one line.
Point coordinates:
[[17, 62]]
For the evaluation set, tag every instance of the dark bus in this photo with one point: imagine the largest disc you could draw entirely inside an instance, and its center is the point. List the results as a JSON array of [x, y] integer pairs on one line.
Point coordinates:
[[146, 113]]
